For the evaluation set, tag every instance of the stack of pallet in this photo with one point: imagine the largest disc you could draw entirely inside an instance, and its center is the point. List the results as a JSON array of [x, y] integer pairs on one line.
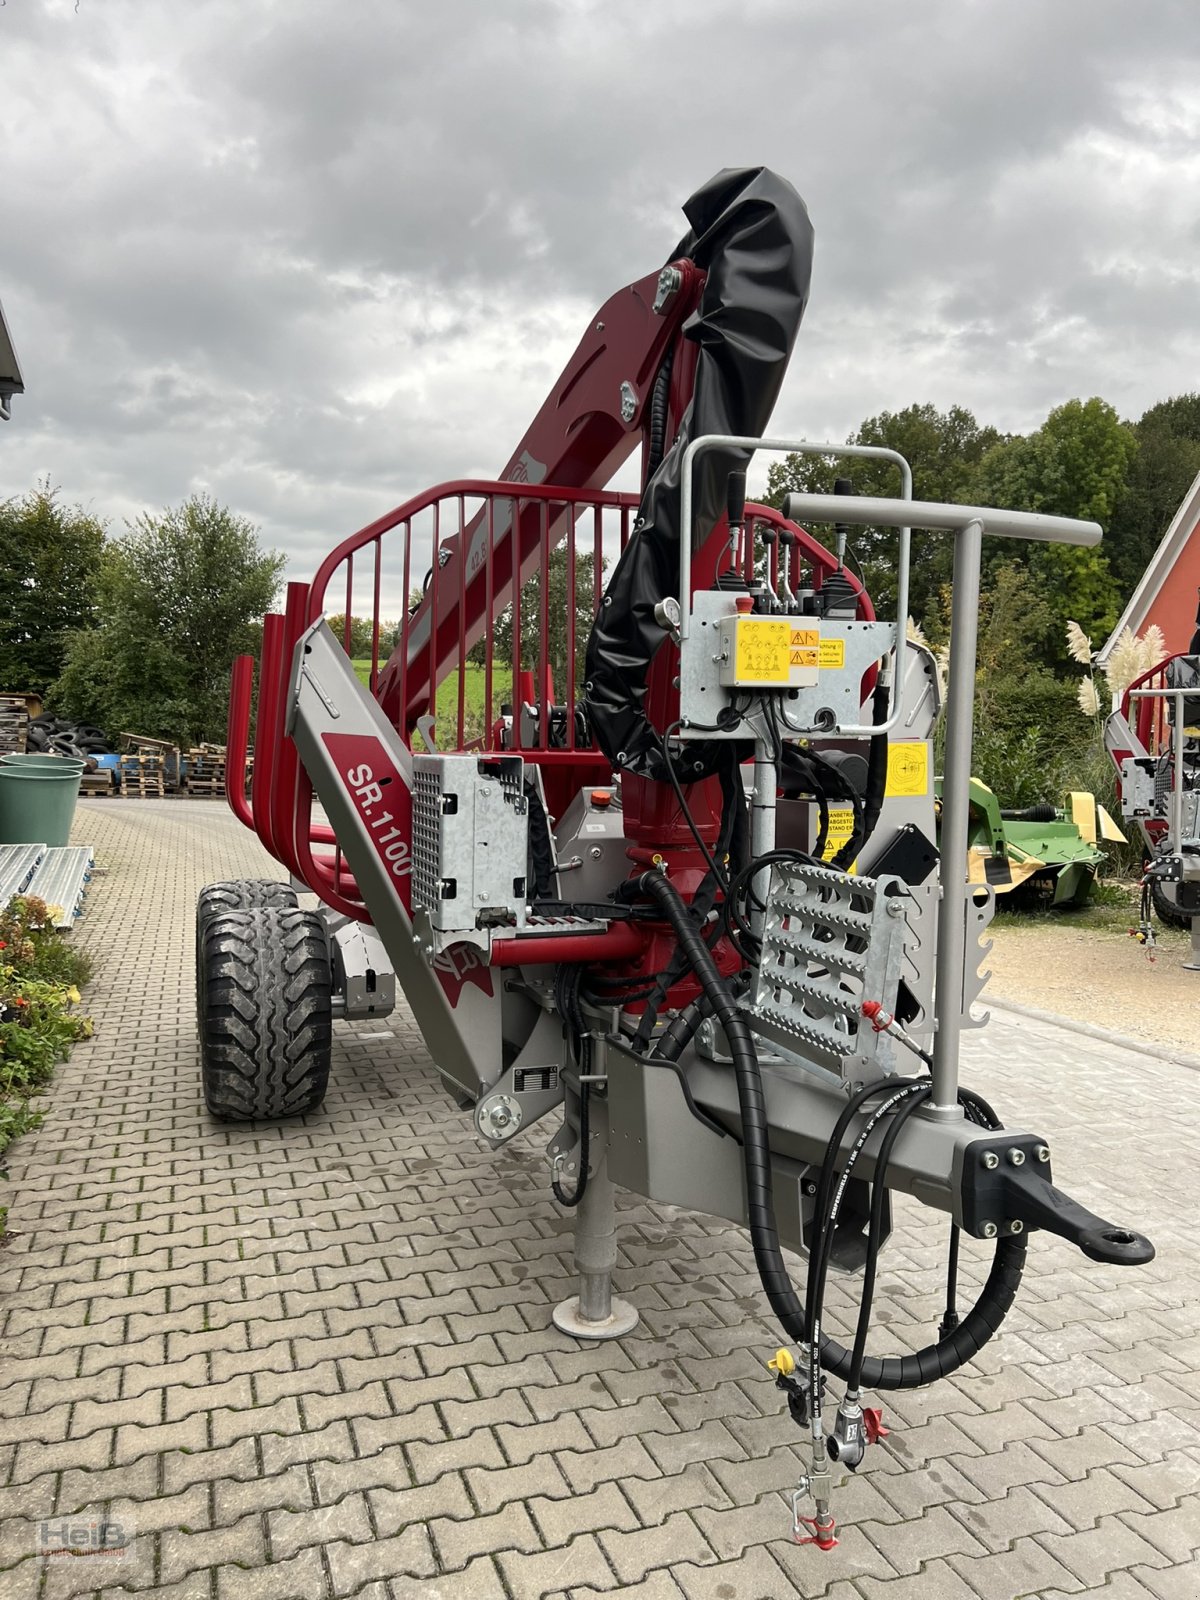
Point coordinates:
[[206, 770], [170, 765], [142, 777], [14, 724], [101, 782]]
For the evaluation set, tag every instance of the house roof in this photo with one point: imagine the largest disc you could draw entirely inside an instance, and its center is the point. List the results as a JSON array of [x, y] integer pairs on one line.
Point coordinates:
[[11, 381], [1158, 570]]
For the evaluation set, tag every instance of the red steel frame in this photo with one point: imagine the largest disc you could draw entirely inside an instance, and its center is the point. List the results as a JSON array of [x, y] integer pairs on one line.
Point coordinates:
[[480, 559], [280, 809]]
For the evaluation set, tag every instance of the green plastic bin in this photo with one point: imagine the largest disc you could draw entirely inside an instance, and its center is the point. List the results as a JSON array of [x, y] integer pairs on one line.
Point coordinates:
[[37, 798]]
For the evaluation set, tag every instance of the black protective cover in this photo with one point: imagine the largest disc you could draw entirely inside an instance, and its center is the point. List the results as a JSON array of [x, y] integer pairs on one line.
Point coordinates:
[[751, 234]]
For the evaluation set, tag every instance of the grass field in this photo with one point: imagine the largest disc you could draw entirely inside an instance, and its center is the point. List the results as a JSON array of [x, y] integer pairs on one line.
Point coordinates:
[[447, 695]]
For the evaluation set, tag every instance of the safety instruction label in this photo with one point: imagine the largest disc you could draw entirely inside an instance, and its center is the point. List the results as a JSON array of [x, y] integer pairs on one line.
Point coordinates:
[[908, 770], [804, 647], [761, 652], [841, 826]]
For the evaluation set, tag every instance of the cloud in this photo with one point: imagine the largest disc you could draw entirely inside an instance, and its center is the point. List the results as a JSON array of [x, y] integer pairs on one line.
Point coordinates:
[[314, 257]]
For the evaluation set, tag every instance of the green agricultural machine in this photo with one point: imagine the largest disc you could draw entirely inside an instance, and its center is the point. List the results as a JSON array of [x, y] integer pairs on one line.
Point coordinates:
[[1041, 850]]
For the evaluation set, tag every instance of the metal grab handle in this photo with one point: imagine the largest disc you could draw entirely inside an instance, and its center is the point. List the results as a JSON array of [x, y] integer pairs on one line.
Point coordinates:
[[877, 452], [934, 514]]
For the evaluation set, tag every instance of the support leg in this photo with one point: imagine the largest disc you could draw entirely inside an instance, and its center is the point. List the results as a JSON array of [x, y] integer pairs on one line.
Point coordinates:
[[595, 1312], [1192, 964]]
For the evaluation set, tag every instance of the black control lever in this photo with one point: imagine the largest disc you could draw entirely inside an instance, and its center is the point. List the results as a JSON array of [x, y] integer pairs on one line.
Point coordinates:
[[1006, 1188], [735, 499]]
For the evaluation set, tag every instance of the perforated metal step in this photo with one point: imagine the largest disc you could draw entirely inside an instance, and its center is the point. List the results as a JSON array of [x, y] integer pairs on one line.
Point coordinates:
[[18, 862], [61, 881]]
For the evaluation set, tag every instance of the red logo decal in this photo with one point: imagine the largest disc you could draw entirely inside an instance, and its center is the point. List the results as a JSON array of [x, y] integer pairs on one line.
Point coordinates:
[[381, 796]]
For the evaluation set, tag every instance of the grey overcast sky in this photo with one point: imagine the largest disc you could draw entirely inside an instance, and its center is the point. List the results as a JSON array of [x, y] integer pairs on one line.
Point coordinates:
[[316, 254]]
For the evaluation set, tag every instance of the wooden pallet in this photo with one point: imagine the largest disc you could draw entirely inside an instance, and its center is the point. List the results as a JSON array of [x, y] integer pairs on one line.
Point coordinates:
[[98, 783], [14, 725], [142, 777]]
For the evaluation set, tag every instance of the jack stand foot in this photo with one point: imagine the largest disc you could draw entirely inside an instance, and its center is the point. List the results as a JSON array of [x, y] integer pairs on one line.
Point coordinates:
[[622, 1319], [595, 1312]]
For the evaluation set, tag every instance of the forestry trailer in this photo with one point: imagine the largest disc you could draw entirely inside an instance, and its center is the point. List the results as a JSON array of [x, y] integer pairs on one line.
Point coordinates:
[[665, 875]]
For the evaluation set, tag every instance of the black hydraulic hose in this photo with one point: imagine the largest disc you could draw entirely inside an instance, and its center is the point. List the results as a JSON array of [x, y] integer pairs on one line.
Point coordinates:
[[893, 1372], [760, 1204], [675, 1038], [560, 1194], [875, 1232], [659, 398]]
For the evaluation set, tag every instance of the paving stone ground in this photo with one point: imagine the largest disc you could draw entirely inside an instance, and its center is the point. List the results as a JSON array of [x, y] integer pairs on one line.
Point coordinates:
[[316, 1359]]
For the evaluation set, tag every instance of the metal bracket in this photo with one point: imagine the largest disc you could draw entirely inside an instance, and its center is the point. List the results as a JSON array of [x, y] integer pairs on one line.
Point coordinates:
[[979, 907]]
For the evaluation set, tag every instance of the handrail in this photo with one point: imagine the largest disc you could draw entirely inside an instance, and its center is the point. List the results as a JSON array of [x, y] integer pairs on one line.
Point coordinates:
[[1149, 716], [482, 488], [237, 738]]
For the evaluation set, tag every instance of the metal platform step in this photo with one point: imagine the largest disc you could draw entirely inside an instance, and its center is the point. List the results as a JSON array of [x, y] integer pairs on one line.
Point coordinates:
[[61, 880], [18, 862]]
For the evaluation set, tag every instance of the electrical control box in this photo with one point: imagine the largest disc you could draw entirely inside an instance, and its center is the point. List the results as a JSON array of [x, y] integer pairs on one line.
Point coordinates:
[[815, 665], [470, 842], [769, 652]]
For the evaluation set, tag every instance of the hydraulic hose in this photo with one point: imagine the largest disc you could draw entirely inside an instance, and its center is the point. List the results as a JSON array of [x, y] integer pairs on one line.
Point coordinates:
[[760, 1202], [896, 1372], [560, 1194], [659, 398]]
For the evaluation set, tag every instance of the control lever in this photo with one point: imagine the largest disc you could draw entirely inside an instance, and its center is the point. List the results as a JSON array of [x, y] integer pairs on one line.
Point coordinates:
[[735, 506], [787, 595]]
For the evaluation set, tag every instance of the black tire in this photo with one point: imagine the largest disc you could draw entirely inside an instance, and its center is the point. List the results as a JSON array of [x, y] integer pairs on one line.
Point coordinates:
[[264, 1012], [242, 894], [1165, 909]]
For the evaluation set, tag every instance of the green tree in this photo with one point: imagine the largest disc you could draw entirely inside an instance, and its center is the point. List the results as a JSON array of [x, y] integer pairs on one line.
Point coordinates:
[[181, 594], [1029, 735], [1075, 465], [361, 631], [557, 607], [944, 450], [50, 560], [1162, 471]]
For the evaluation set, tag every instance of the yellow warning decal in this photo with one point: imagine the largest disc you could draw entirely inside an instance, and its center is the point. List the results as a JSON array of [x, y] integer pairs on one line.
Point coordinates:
[[761, 655], [841, 826], [833, 653], [908, 769]]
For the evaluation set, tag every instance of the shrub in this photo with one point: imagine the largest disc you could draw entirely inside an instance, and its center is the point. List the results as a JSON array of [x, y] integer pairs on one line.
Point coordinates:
[[40, 975]]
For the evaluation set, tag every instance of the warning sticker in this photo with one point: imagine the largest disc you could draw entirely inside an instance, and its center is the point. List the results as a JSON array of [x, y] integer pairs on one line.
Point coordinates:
[[841, 826], [761, 653], [908, 770], [833, 653]]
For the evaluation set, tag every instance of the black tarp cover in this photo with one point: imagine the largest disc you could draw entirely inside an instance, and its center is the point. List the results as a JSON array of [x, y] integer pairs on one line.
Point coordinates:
[[751, 234]]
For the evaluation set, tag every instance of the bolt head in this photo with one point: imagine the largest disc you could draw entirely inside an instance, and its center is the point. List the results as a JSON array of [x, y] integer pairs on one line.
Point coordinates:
[[991, 1160], [1043, 1152], [1016, 1157], [670, 281], [628, 401], [1016, 1226], [988, 1230]]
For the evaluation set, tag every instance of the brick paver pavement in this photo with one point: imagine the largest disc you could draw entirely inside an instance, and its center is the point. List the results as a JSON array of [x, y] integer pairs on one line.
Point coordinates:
[[317, 1360]]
